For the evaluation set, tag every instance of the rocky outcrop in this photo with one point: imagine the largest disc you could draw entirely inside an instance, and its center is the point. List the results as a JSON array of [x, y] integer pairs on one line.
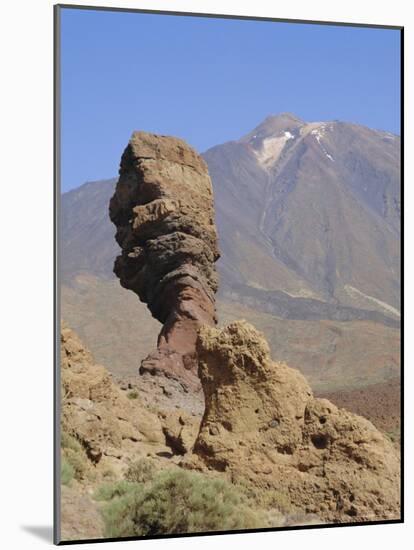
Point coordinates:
[[112, 428], [262, 425], [163, 211], [180, 430]]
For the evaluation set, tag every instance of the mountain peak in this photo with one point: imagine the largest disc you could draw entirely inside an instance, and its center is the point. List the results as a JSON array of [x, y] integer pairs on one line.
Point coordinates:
[[274, 125], [283, 117]]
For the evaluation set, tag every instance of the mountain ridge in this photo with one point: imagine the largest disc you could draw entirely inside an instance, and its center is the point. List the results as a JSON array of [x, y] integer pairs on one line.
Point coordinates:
[[300, 172]]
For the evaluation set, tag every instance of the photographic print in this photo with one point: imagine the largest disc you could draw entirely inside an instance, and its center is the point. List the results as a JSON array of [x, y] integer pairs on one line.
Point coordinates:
[[228, 283]]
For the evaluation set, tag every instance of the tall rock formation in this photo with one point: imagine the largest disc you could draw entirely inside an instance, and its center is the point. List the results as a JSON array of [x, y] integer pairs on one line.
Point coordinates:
[[263, 426], [163, 211]]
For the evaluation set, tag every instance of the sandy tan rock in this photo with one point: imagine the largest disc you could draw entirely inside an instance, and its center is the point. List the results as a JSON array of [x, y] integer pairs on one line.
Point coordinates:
[[112, 428], [180, 430], [263, 425]]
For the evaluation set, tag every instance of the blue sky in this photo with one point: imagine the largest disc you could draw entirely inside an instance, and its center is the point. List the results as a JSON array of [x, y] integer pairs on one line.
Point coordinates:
[[211, 80]]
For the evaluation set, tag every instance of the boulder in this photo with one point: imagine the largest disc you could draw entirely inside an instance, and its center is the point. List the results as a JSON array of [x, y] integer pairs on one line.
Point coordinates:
[[180, 430], [262, 425]]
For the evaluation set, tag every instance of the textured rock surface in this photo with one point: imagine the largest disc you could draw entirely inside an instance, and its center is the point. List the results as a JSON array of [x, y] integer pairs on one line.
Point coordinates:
[[112, 428], [263, 425], [180, 430], [163, 211], [116, 427]]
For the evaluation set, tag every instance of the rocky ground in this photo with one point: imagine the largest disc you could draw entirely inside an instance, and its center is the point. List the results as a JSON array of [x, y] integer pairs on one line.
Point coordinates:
[[105, 427], [80, 517], [261, 428]]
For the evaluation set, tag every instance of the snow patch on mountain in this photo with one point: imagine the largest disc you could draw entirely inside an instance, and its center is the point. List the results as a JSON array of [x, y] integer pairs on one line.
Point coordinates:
[[271, 149], [319, 134]]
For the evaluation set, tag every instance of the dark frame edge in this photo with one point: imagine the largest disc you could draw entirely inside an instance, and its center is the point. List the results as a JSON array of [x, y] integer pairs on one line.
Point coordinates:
[[227, 16], [402, 227], [235, 532], [56, 280]]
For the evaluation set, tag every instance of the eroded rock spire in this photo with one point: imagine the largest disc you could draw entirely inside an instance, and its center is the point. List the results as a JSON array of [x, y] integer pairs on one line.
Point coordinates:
[[164, 215]]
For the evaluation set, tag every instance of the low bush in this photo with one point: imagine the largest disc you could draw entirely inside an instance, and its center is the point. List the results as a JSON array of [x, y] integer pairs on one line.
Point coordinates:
[[67, 441], [133, 394], [177, 501], [75, 455], [66, 472], [79, 462], [265, 498], [141, 471], [109, 491]]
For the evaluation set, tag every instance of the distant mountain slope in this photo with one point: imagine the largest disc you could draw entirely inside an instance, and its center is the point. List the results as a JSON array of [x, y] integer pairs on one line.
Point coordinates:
[[87, 234], [315, 207], [308, 216]]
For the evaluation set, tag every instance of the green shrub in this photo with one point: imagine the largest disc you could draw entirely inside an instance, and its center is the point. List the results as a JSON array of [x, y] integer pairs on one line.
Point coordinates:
[[66, 472], [67, 441], [276, 499], [394, 435], [75, 456], [108, 491], [79, 462], [133, 394], [178, 501], [108, 473], [141, 471], [265, 498]]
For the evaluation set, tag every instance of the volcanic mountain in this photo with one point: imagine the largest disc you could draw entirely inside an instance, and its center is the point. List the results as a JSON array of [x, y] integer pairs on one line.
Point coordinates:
[[312, 211], [308, 216]]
